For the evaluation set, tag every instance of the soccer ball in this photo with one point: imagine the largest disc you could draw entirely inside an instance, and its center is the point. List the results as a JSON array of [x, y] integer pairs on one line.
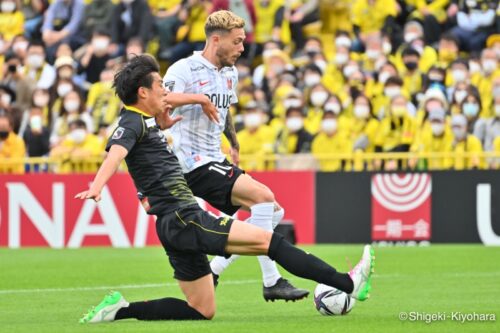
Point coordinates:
[[330, 301]]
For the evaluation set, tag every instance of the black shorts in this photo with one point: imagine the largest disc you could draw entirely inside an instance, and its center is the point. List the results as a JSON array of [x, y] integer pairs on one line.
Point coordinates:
[[188, 235], [213, 182]]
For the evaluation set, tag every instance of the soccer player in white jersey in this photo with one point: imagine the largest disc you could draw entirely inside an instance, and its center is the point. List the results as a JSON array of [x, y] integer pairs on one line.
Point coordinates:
[[197, 143]]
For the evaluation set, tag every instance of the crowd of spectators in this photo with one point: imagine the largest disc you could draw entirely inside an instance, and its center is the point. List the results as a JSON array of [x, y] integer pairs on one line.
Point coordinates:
[[322, 77]]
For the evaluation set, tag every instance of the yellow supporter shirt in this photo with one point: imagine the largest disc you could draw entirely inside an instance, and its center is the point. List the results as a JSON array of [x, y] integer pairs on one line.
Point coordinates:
[[394, 132], [12, 147], [484, 85], [196, 22], [371, 17], [103, 103], [331, 145], [265, 21], [437, 8], [428, 143], [259, 144], [11, 24], [157, 5], [73, 154], [470, 145]]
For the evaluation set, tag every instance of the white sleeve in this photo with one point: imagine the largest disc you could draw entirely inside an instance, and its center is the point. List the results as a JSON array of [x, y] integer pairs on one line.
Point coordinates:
[[177, 77]]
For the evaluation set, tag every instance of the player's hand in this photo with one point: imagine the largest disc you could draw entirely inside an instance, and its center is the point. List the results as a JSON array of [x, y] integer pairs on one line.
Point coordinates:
[[210, 110], [165, 120], [235, 155], [89, 194]]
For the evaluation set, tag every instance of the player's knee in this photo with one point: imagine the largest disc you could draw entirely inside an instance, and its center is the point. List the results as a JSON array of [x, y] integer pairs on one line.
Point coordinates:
[[207, 309], [264, 194], [265, 241]]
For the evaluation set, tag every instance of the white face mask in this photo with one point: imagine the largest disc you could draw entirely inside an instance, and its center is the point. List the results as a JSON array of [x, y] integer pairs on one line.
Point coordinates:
[[252, 120], [410, 37], [6, 99], [437, 128], [20, 46], [361, 111], [471, 110], [382, 77], [372, 54], [497, 110], [460, 96], [71, 105], [312, 80], [36, 123], [392, 92], [321, 64], [474, 67], [294, 124], [489, 66], [35, 60], [341, 58], [41, 100], [333, 107], [63, 89], [399, 111], [329, 126], [318, 98], [459, 132], [343, 41], [459, 75], [100, 44], [387, 47], [8, 6], [349, 70], [78, 135], [292, 103]]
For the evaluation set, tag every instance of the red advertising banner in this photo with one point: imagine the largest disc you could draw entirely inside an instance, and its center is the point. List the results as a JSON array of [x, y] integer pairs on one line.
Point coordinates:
[[40, 210], [401, 206]]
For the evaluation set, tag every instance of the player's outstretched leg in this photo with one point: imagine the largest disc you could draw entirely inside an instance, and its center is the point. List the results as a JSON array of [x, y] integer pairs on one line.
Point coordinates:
[[246, 239]]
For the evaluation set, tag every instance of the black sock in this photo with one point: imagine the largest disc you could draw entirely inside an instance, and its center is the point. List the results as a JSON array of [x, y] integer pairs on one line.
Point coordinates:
[[306, 265], [159, 309]]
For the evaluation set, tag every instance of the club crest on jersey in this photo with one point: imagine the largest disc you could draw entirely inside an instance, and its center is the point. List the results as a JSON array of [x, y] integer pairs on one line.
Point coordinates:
[[229, 84], [118, 133], [169, 85]]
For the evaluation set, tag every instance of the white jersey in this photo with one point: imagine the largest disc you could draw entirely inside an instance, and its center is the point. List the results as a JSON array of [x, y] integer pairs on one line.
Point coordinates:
[[196, 139]]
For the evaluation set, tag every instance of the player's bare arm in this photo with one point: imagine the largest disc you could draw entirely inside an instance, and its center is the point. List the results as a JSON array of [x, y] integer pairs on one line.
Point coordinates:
[[180, 99], [108, 168], [230, 134]]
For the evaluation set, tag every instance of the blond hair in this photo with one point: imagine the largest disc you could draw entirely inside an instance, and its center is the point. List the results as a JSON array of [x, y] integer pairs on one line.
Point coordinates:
[[222, 21]]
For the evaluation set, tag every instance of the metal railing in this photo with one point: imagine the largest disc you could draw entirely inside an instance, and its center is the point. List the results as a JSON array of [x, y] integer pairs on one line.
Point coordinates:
[[356, 161]]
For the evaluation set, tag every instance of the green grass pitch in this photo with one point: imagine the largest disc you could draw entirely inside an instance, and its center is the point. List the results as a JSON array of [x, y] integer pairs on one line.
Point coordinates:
[[43, 290]]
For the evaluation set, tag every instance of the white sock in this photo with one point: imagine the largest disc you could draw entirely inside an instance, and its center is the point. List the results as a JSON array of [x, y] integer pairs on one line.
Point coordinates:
[[277, 217], [219, 264], [262, 217]]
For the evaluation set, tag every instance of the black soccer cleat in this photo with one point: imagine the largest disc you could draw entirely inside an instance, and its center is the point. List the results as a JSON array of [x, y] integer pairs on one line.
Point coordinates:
[[284, 290], [216, 279]]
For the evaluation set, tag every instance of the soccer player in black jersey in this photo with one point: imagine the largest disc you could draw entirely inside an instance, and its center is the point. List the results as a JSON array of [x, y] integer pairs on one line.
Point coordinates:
[[186, 231]]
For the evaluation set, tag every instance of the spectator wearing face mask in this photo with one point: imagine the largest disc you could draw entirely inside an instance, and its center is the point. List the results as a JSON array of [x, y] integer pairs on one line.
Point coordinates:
[[286, 98], [435, 78], [491, 130], [460, 91], [376, 87], [72, 109], [9, 108], [432, 100], [471, 108], [490, 73], [256, 139], [373, 52], [411, 75], [96, 56], [393, 87], [65, 69], [57, 93], [11, 146], [39, 101], [316, 102], [448, 49], [36, 136], [333, 77], [330, 141], [465, 143], [457, 72], [11, 19], [294, 138], [78, 149], [397, 131], [436, 138], [36, 68], [102, 102]]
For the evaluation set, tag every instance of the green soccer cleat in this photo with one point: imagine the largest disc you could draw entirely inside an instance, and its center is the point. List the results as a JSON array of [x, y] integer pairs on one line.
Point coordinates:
[[106, 310], [361, 274]]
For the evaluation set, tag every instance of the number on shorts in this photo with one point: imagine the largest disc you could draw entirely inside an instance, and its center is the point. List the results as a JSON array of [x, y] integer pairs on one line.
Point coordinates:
[[222, 169]]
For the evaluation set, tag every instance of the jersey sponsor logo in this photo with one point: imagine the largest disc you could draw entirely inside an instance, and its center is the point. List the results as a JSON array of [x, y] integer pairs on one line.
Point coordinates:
[[197, 69], [220, 100], [224, 221], [118, 133], [169, 85]]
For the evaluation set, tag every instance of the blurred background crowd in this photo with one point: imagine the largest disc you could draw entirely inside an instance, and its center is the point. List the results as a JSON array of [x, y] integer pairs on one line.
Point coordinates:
[[332, 80]]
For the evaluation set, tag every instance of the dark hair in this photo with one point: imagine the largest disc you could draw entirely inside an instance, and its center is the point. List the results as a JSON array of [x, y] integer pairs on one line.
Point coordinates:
[[294, 109], [135, 74], [36, 42], [410, 51], [77, 123], [449, 37], [394, 80], [460, 61]]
